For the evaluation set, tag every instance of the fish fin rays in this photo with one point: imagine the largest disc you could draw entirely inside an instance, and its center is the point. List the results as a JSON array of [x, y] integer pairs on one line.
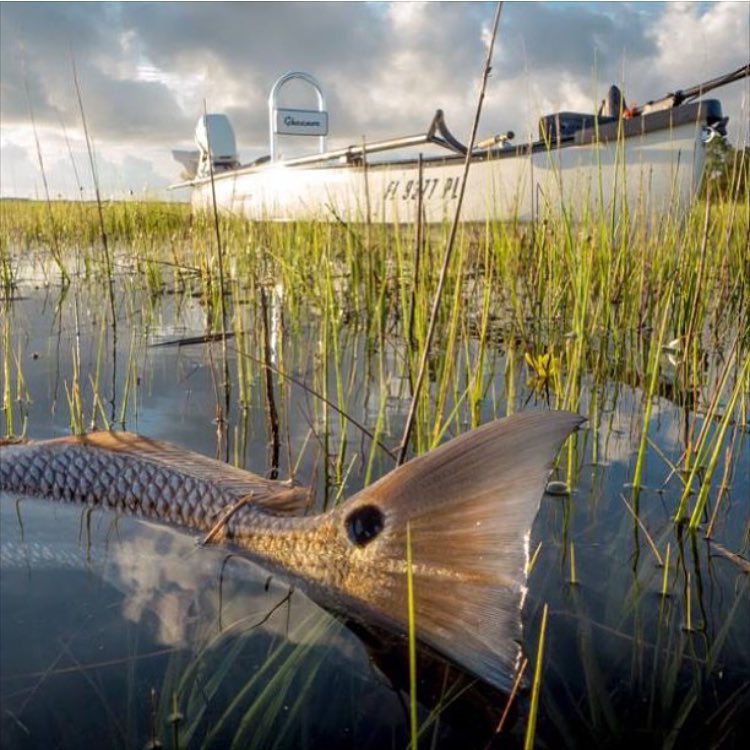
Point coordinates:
[[469, 506], [273, 496]]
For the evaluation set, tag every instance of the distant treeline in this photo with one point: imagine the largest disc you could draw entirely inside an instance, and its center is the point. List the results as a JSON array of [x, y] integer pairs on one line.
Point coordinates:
[[727, 169]]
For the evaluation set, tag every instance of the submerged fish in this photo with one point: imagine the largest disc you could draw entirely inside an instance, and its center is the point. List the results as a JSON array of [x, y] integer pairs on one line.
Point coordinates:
[[467, 507]]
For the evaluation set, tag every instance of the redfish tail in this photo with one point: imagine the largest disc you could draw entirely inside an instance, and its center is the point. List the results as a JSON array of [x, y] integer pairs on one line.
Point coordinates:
[[469, 506]]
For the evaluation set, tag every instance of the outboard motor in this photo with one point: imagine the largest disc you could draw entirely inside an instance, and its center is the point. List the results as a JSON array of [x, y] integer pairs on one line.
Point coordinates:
[[215, 139], [614, 104]]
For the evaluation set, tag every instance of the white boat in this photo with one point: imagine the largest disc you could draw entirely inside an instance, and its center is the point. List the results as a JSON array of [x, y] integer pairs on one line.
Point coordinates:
[[650, 159]]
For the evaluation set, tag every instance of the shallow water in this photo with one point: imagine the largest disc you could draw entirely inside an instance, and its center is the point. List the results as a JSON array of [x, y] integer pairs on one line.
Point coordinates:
[[105, 622]]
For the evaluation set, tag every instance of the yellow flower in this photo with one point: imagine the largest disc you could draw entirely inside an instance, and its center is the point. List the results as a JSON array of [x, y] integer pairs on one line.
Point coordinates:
[[545, 366]]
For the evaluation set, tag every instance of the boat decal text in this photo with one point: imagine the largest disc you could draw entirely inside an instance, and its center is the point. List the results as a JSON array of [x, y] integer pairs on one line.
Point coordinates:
[[446, 188], [289, 120]]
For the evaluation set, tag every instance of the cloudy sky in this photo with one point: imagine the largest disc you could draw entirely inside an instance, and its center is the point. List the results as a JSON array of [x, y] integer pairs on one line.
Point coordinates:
[[145, 69]]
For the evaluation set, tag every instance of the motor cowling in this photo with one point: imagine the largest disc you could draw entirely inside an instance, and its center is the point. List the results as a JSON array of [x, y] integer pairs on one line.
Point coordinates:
[[215, 139]]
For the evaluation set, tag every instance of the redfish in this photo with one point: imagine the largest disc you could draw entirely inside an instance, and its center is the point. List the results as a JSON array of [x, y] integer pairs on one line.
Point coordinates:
[[468, 506]]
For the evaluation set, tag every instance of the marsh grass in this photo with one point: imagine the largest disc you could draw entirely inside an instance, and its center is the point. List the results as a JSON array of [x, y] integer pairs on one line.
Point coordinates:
[[560, 314], [610, 309]]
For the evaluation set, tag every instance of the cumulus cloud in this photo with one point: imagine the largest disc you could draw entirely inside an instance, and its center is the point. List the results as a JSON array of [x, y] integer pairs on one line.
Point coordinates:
[[146, 69]]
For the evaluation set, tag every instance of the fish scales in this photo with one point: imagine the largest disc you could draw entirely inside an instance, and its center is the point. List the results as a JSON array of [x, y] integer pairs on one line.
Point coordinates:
[[120, 483]]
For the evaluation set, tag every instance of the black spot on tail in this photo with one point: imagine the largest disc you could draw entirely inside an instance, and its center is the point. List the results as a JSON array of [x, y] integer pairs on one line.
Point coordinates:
[[364, 524]]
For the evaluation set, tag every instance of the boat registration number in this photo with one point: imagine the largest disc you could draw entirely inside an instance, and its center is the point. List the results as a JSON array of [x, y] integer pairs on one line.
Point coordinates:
[[432, 187]]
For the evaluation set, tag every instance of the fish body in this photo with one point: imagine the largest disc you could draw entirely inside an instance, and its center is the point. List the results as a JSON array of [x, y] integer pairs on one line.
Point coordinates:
[[466, 507]]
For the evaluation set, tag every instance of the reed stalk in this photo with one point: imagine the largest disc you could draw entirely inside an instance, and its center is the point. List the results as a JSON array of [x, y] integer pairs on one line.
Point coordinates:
[[650, 394], [418, 246], [534, 558], [536, 684], [10, 427], [103, 235], [54, 239], [725, 485], [665, 576], [223, 406], [688, 605], [573, 577], [449, 245], [643, 528], [700, 504], [413, 715], [702, 442]]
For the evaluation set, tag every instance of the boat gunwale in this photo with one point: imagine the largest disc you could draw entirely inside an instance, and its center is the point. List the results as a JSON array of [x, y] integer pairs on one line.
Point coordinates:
[[702, 112]]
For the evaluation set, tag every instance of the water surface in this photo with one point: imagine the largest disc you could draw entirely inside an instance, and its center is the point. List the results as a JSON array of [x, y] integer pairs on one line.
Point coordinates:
[[119, 633]]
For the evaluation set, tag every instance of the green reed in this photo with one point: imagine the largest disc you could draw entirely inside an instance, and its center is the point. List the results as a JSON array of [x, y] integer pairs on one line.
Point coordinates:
[[536, 684], [413, 702], [15, 396]]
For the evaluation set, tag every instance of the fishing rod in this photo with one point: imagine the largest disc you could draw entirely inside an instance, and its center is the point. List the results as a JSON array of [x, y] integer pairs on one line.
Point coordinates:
[[674, 99], [694, 91]]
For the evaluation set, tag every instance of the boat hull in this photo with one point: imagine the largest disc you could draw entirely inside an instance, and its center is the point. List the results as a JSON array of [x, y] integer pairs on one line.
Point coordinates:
[[651, 172]]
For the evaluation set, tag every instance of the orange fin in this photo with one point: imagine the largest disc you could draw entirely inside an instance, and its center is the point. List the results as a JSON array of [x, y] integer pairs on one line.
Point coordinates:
[[469, 505], [273, 496]]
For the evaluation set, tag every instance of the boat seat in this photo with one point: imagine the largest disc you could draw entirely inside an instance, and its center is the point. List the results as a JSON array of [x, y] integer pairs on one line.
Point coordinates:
[[561, 126]]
